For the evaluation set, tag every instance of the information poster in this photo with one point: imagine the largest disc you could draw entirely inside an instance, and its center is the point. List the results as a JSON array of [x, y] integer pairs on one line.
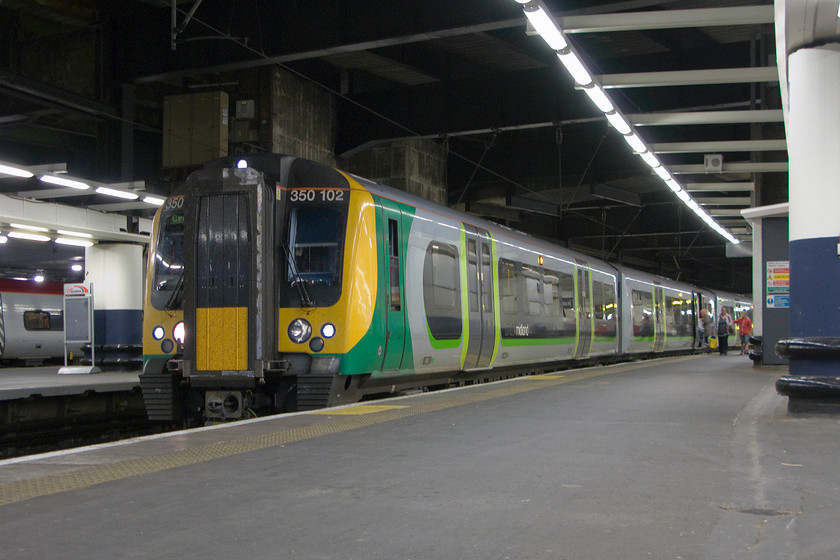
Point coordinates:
[[778, 284]]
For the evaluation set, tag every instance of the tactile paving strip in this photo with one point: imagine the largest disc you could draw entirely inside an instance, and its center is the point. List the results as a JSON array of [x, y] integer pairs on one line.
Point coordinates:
[[338, 420]]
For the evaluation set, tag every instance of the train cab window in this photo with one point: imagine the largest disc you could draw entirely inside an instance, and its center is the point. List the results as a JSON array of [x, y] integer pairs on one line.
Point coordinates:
[[315, 251], [442, 291], [168, 274], [42, 321]]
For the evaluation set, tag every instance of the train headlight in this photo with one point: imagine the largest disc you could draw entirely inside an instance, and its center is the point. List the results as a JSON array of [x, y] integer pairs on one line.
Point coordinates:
[[158, 332], [178, 332], [328, 330], [299, 331]]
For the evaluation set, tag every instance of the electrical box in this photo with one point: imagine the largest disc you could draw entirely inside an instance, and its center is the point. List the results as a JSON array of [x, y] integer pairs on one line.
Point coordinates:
[[713, 163], [195, 128], [245, 109]]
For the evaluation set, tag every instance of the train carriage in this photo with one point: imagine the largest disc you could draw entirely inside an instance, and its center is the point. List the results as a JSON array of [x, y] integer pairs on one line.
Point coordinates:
[[31, 321], [278, 283], [658, 313]]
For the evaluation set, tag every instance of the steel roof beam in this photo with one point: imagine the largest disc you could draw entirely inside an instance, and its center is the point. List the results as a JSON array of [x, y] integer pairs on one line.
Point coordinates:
[[706, 117], [719, 146], [690, 77], [719, 187], [737, 167]]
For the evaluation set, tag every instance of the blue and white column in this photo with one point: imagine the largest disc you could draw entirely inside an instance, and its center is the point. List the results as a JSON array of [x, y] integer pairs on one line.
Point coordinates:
[[116, 272], [813, 135]]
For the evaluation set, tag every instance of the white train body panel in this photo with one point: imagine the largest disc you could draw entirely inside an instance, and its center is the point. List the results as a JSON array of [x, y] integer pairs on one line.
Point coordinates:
[[31, 326]]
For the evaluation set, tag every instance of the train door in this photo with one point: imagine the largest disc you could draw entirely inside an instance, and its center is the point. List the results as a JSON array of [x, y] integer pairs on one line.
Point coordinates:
[[658, 318], [222, 272], [480, 300], [584, 296], [394, 285]]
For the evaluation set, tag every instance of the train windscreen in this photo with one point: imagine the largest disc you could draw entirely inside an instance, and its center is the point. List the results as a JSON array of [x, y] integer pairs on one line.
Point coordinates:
[[168, 275]]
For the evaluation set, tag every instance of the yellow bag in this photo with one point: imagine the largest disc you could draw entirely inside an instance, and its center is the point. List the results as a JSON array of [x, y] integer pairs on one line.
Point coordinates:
[[713, 342]]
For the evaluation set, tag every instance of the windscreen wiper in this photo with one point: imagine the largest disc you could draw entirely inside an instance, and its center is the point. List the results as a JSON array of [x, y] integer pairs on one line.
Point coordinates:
[[174, 301], [297, 281]]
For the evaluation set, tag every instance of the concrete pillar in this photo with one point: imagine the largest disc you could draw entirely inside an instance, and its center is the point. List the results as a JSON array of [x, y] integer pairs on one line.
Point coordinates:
[[415, 166], [813, 135], [116, 272]]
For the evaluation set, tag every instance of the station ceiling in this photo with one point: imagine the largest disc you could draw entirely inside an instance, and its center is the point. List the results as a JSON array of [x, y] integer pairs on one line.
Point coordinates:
[[526, 147]]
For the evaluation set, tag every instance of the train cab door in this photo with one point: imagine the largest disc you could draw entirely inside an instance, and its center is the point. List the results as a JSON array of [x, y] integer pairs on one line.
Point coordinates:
[[481, 341], [585, 318], [658, 318], [393, 245]]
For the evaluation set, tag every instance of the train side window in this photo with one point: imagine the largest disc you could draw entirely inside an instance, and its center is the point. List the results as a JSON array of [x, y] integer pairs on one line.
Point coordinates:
[[36, 320], [442, 291], [567, 282], [507, 286], [394, 264], [534, 289], [642, 313], [553, 293]]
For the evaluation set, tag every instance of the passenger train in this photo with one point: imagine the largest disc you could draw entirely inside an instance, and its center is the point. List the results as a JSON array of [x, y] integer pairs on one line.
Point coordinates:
[[31, 322], [277, 283]]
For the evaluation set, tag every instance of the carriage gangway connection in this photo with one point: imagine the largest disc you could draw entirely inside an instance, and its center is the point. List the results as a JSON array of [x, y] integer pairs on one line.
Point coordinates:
[[680, 457]]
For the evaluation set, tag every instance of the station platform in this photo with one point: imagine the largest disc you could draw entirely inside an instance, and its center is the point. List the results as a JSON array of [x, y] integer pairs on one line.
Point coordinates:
[[45, 381], [678, 458]]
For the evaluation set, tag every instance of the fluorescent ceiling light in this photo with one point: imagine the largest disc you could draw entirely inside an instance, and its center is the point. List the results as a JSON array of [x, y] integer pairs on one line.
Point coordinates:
[[38, 278], [15, 171], [618, 123], [119, 194], [635, 142], [30, 228], [154, 200], [575, 67], [673, 185], [76, 267], [650, 159], [684, 196], [3, 239], [64, 182], [662, 172], [74, 242], [28, 236], [599, 98], [544, 25], [73, 233]]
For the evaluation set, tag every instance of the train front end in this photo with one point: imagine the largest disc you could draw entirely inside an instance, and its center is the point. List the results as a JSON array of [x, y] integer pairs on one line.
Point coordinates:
[[271, 295]]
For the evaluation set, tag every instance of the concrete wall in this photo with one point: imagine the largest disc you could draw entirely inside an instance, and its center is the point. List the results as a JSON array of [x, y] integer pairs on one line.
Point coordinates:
[[414, 166], [302, 118]]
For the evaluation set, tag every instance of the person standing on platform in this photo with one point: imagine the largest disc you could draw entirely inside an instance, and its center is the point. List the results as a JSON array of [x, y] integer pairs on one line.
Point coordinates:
[[723, 326], [745, 327]]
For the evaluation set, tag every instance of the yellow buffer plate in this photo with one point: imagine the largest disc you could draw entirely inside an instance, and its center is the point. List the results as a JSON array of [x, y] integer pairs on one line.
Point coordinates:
[[221, 338]]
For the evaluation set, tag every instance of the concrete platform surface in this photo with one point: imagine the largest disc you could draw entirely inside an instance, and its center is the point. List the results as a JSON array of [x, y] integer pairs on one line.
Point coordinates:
[[678, 458], [23, 382]]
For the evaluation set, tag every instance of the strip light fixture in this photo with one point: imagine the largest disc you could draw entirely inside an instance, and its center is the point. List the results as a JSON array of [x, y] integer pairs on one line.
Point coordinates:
[[547, 28], [14, 170]]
